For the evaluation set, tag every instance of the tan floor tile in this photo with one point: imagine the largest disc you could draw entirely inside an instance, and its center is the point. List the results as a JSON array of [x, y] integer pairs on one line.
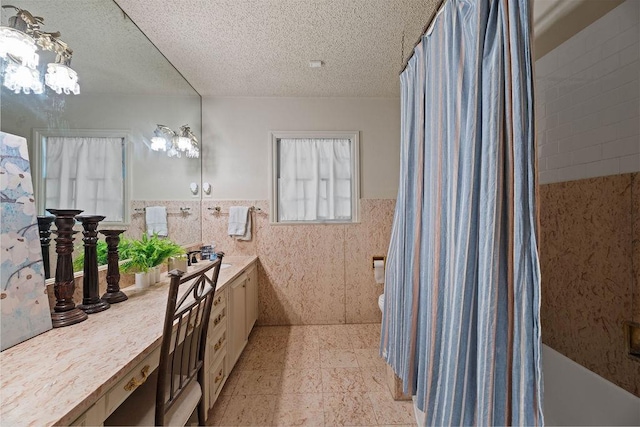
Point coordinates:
[[366, 341], [368, 357], [306, 331], [254, 361], [374, 379], [302, 342], [389, 411], [231, 382], [242, 410], [334, 337], [342, 380], [348, 409], [266, 344], [365, 335], [363, 328], [215, 414], [270, 331], [299, 410], [338, 359], [302, 381], [259, 382], [296, 358]]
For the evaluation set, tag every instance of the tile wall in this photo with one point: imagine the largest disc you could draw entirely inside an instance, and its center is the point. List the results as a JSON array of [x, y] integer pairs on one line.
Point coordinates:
[[587, 258], [183, 225], [588, 100], [310, 274]]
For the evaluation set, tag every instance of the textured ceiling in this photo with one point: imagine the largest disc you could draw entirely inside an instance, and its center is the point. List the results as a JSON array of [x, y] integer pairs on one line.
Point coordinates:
[[263, 47], [109, 53]]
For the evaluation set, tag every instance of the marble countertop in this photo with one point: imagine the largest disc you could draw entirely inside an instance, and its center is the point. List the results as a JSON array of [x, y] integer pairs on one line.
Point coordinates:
[[56, 376]]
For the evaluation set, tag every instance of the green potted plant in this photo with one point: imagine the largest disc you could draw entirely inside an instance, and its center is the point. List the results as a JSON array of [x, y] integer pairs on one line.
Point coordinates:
[[101, 249], [163, 250], [146, 255]]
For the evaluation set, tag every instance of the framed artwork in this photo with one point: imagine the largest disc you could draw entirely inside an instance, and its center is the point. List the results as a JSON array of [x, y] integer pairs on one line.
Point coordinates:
[[24, 304]]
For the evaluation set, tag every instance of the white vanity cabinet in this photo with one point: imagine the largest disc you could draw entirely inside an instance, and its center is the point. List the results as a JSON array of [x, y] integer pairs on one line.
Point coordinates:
[[251, 297], [243, 311], [237, 319], [230, 325], [216, 352]]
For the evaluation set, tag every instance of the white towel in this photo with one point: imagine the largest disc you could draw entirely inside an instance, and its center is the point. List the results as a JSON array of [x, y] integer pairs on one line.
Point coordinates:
[[156, 217], [239, 222]]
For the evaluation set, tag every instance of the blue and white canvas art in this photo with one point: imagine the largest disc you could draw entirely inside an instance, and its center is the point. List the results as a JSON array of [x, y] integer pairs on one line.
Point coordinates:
[[23, 298]]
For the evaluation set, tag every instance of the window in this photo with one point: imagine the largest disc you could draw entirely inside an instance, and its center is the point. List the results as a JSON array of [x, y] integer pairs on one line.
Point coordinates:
[[315, 177], [83, 169]]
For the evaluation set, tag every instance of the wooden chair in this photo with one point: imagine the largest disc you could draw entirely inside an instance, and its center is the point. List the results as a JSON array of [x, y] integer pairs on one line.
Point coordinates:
[[173, 392]]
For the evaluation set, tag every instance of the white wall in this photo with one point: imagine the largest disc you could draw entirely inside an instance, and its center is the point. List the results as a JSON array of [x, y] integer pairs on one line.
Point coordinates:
[[236, 137], [588, 100], [154, 175]]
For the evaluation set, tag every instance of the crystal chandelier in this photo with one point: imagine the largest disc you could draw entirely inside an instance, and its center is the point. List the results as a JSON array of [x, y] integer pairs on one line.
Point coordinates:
[[175, 143], [19, 43]]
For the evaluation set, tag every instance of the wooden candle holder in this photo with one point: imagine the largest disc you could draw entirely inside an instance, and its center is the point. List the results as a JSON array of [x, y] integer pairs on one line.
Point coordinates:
[[44, 227], [114, 294], [91, 301], [65, 312]]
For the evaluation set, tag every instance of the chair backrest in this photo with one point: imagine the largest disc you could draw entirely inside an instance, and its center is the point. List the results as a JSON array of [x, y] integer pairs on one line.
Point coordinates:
[[184, 337]]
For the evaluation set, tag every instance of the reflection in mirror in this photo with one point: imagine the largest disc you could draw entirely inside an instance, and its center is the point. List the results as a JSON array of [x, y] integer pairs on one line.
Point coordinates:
[[87, 171], [127, 88]]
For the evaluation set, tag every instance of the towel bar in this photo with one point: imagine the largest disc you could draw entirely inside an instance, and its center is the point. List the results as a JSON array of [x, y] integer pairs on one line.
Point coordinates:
[[183, 210], [217, 209]]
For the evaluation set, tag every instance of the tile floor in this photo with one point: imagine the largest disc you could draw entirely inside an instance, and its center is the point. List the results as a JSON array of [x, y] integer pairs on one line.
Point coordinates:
[[325, 375]]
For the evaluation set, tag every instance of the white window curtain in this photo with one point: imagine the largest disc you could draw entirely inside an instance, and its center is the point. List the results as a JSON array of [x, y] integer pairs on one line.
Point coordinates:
[[85, 173], [314, 183]]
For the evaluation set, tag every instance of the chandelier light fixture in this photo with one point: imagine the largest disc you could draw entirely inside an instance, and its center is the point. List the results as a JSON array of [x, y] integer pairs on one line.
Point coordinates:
[[19, 46], [175, 143]]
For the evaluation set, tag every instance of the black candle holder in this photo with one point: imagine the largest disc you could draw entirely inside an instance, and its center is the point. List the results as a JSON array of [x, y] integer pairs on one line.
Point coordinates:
[[65, 312], [91, 301], [114, 294], [44, 227]]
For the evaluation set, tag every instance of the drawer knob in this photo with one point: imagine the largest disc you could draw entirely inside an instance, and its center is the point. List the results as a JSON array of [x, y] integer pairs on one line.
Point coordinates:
[[135, 383], [217, 346], [217, 301], [219, 377], [217, 320]]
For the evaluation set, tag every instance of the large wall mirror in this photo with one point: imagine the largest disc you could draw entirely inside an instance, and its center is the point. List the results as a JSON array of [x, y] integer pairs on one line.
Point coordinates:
[[127, 88]]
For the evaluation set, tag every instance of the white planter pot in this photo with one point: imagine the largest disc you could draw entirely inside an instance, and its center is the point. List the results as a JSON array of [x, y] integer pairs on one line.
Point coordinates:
[[156, 273], [142, 280]]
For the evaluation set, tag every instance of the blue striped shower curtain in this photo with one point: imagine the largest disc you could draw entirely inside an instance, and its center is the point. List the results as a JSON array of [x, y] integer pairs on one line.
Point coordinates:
[[461, 322]]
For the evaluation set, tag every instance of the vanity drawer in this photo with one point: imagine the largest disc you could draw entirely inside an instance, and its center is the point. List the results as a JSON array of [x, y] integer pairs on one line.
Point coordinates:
[[136, 377], [219, 300], [217, 377], [216, 346]]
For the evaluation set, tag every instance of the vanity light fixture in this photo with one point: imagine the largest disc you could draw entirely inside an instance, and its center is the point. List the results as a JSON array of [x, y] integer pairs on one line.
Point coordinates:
[[175, 143], [19, 43]]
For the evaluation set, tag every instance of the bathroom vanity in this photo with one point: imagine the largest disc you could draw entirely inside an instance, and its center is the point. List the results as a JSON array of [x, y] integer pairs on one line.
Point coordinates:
[[80, 374]]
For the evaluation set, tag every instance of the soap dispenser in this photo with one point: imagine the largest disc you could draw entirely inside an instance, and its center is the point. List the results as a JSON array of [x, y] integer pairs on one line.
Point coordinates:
[[191, 257]]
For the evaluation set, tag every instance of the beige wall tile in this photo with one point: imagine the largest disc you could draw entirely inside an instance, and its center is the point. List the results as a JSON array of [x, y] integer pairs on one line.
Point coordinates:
[[586, 263], [310, 274]]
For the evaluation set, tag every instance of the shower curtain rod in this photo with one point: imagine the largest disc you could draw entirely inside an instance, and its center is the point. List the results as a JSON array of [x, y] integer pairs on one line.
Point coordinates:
[[425, 30]]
